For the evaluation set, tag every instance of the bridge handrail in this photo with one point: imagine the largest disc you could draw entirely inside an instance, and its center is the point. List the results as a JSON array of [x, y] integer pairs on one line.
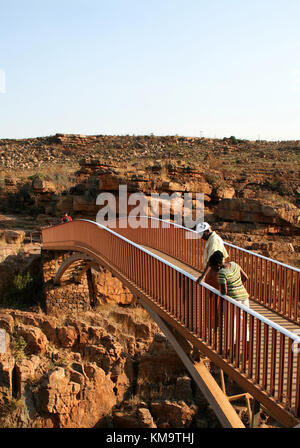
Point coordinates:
[[226, 243], [272, 283], [258, 316]]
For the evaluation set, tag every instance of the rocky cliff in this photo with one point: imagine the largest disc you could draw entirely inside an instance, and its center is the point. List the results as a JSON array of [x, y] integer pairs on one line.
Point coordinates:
[[251, 188]]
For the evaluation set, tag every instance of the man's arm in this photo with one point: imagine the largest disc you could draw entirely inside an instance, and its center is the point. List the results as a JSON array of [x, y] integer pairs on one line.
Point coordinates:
[[201, 277], [224, 289]]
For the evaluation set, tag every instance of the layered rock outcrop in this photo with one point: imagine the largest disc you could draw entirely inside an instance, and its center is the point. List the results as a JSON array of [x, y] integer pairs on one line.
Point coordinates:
[[92, 369]]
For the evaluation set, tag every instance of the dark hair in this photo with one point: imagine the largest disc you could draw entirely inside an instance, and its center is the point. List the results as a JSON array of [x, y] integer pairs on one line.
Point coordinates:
[[216, 258]]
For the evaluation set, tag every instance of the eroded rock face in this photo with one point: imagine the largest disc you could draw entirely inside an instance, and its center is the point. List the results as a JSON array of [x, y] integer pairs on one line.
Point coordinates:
[[78, 401], [251, 210], [173, 415], [73, 373], [110, 289], [34, 337], [7, 364]]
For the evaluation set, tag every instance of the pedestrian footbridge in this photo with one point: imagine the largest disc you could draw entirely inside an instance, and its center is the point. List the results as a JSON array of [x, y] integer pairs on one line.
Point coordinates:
[[257, 347]]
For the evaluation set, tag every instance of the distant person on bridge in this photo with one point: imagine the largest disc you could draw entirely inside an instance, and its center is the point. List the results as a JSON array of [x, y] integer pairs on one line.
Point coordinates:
[[66, 218], [213, 243]]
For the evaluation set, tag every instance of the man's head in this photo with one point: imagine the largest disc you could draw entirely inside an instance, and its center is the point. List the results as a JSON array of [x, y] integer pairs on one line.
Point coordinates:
[[216, 260], [204, 230]]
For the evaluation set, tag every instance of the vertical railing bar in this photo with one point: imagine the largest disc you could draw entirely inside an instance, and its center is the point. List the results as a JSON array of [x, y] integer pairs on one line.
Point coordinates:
[[265, 355], [295, 293], [226, 327], [210, 313], [291, 294], [220, 319], [215, 318], [201, 307], [284, 290], [289, 373], [270, 286], [231, 327], [174, 296], [238, 337], [252, 277], [258, 348], [205, 312], [273, 362], [245, 340], [281, 366], [275, 287]]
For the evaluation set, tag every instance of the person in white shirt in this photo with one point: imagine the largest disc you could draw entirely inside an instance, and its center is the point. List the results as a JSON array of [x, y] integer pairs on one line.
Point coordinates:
[[213, 243]]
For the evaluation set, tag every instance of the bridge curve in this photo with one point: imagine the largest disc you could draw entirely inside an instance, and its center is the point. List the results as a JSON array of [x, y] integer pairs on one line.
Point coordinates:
[[78, 264], [267, 367]]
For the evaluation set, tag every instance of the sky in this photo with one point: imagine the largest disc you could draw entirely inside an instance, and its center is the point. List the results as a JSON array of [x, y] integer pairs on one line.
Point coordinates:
[[195, 68]]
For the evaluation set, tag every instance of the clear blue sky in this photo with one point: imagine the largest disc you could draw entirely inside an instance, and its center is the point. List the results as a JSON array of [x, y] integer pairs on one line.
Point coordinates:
[[217, 67]]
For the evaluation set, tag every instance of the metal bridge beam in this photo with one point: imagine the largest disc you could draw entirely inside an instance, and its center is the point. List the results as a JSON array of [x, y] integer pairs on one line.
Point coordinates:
[[219, 402]]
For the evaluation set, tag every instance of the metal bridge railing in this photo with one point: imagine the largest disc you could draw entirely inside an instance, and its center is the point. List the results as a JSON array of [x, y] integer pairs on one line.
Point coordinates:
[[271, 283], [258, 348]]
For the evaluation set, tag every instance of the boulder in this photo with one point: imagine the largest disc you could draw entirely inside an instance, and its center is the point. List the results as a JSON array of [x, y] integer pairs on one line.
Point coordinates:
[[12, 236], [145, 419], [67, 336], [123, 419], [82, 204], [177, 415], [57, 395], [223, 193], [35, 339], [27, 370], [7, 323], [42, 186], [250, 210]]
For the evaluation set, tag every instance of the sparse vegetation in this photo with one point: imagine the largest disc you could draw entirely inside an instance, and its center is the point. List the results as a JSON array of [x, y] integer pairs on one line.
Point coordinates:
[[8, 410], [18, 348], [25, 291]]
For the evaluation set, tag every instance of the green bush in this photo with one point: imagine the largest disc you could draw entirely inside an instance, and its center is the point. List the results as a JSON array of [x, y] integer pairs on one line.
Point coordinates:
[[233, 139]]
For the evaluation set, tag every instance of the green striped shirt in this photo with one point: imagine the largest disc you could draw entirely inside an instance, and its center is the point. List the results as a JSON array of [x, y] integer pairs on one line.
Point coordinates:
[[232, 278]]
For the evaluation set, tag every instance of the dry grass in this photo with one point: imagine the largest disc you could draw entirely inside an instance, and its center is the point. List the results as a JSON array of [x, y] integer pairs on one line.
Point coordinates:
[[62, 176]]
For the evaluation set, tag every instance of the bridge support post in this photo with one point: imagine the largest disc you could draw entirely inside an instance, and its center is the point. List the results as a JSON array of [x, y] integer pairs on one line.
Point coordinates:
[[246, 395], [224, 411], [67, 296], [255, 413]]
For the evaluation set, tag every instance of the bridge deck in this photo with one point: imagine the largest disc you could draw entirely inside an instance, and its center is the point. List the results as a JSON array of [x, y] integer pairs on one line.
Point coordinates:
[[280, 320]]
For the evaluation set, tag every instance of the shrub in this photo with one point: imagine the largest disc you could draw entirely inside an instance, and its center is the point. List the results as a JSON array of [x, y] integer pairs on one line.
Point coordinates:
[[233, 139], [18, 347]]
